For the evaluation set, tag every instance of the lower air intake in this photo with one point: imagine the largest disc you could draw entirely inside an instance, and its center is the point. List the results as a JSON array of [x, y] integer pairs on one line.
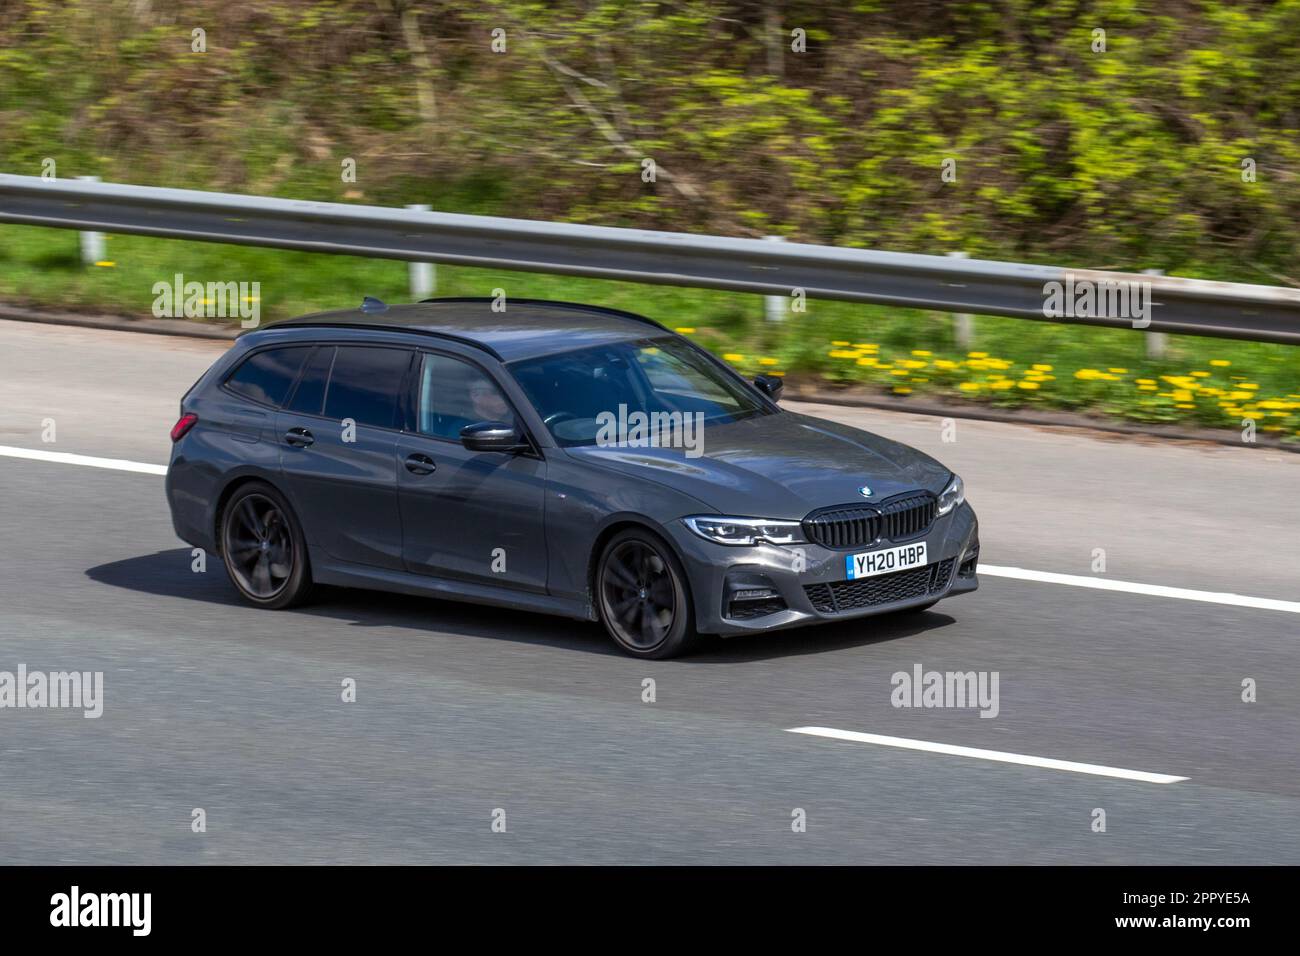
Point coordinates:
[[882, 589]]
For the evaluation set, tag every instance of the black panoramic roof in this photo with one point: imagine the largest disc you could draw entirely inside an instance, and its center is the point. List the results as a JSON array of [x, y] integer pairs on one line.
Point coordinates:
[[526, 329]]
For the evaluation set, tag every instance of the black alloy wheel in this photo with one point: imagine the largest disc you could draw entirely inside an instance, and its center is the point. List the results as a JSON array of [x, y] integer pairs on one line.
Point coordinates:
[[263, 548], [643, 597]]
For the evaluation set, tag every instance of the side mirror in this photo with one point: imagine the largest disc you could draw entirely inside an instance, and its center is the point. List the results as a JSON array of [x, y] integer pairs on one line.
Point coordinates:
[[491, 436], [770, 385]]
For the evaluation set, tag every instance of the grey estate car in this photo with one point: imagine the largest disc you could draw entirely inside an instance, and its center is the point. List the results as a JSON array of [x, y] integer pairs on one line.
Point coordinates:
[[554, 457]]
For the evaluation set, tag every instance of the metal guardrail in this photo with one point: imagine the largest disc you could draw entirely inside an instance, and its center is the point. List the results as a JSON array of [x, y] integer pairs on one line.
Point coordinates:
[[1189, 306]]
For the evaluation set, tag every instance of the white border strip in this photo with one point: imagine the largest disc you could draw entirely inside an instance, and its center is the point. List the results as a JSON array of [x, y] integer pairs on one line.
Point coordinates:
[[1131, 587], [1046, 762], [63, 458]]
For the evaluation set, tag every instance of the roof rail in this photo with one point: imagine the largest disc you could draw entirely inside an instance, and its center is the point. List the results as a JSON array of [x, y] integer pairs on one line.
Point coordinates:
[[604, 310], [371, 327]]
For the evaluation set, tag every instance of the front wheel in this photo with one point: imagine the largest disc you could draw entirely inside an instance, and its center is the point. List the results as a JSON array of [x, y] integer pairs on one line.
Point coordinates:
[[643, 596], [263, 548]]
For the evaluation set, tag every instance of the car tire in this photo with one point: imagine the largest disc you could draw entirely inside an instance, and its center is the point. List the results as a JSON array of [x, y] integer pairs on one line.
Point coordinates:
[[263, 548], [643, 596]]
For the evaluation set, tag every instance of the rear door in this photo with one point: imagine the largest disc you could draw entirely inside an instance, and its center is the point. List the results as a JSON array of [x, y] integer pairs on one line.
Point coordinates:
[[338, 435], [466, 515]]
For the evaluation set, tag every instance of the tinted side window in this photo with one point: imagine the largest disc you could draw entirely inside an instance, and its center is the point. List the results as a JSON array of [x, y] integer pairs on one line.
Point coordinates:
[[310, 394], [454, 394], [267, 375], [365, 383]]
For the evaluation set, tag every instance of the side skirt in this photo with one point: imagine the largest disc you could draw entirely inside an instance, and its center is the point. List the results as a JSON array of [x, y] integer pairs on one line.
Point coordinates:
[[422, 585]]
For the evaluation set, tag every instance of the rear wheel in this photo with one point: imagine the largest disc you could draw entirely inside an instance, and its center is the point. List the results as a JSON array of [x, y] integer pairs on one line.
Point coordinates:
[[263, 548], [643, 596]]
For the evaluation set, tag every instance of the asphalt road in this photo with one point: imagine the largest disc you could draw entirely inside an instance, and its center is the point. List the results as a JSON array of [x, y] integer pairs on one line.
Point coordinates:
[[462, 710]]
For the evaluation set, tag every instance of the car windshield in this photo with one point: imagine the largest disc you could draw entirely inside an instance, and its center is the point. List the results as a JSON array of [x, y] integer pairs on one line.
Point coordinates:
[[576, 391]]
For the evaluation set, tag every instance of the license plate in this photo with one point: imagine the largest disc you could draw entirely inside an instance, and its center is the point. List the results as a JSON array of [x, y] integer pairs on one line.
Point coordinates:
[[871, 563]]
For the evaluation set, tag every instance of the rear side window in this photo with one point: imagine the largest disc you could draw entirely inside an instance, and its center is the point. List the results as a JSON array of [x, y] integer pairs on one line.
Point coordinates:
[[365, 383], [266, 376], [309, 396]]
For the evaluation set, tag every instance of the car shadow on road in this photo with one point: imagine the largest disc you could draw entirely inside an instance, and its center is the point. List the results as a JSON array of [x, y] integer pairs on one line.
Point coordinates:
[[170, 574]]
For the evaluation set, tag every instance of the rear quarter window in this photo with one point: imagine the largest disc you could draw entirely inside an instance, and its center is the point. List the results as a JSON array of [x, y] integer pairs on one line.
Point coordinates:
[[267, 376]]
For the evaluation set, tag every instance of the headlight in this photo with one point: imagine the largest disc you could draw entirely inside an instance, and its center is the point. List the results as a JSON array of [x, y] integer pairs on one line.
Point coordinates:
[[952, 496], [723, 530]]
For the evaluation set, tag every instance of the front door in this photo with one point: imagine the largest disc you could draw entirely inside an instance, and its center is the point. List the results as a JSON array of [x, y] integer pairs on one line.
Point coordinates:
[[466, 515]]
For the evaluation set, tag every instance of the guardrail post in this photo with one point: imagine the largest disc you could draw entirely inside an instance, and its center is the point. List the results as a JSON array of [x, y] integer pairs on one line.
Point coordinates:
[[92, 243], [775, 306], [1157, 342], [424, 278], [963, 326]]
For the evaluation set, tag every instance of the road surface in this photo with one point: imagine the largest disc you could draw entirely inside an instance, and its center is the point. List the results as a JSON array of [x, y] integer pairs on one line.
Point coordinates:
[[462, 711]]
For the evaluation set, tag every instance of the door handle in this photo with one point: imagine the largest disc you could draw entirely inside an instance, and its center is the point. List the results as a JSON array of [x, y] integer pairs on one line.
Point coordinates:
[[298, 437], [420, 464]]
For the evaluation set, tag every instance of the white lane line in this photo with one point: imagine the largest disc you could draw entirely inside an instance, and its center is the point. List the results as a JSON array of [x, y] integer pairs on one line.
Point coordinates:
[[116, 464], [1047, 762], [1132, 587]]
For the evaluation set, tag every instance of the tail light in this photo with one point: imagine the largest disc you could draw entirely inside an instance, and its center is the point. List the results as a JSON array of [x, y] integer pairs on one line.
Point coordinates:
[[183, 425]]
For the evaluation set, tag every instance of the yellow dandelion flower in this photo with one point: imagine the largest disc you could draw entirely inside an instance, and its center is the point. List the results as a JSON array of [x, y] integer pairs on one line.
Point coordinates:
[[732, 357], [686, 329], [768, 361], [1220, 363], [1029, 385]]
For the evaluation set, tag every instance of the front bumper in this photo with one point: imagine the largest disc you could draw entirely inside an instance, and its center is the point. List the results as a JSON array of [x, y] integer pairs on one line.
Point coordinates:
[[740, 590]]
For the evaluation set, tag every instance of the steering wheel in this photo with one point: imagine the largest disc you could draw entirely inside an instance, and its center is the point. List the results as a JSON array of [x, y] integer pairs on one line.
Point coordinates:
[[556, 417]]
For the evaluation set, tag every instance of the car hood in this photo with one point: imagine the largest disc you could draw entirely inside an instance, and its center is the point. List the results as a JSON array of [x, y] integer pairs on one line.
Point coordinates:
[[778, 466]]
